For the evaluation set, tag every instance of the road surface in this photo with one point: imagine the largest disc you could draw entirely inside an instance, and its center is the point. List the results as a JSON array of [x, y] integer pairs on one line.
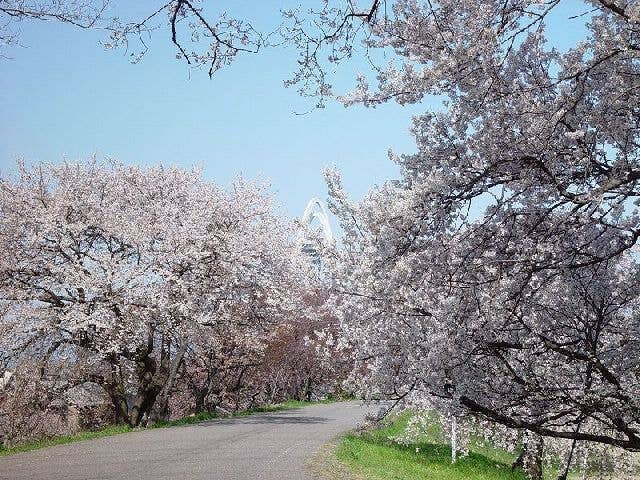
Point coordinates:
[[272, 446]]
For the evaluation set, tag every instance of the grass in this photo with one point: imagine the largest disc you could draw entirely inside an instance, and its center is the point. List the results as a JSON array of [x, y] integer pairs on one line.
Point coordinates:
[[374, 455], [118, 429], [63, 439]]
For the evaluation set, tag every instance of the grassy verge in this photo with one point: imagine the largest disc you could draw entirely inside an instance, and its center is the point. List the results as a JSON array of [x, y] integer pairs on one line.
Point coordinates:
[[61, 440], [118, 429], [374, 455]]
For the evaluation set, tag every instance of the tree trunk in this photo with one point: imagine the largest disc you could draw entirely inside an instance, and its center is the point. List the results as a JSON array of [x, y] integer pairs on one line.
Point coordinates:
[[148, 390], [308, 389], [160, 409], [530, 458], [119, 402], [116, 391]]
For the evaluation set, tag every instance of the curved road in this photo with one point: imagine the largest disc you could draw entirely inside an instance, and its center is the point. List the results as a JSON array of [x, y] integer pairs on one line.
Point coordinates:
[[271, 446]]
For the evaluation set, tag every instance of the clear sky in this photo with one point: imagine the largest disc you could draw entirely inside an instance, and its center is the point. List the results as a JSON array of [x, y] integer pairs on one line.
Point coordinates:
[[63, 96]]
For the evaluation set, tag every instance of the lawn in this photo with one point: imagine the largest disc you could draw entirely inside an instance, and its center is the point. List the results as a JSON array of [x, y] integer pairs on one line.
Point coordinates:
[[373, 455]]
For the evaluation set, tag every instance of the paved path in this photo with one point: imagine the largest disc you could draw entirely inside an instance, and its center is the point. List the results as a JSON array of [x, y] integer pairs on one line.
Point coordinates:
[[273, 446]]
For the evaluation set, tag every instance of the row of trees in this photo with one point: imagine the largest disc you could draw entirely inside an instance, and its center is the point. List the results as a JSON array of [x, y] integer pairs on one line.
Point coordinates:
[[498, 277], [154, 289]]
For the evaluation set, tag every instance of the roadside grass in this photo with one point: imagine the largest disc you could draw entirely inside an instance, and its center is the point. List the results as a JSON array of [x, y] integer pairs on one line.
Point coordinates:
[[63, 439], [375, 455], [189, 420]]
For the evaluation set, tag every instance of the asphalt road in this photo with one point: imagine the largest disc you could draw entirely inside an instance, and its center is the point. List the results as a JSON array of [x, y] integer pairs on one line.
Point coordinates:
[[273, 446]]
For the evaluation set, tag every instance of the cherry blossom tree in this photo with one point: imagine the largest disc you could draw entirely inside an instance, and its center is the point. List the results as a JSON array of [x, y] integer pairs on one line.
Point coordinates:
[[125, 267], [498, 275]]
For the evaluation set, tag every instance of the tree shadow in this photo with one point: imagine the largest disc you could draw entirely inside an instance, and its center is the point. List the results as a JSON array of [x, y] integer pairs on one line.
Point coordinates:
[[268, 419]]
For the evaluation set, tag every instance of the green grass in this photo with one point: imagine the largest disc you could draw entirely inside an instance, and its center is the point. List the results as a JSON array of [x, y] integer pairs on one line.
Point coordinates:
[[118, 429], [374, 455], [63, 439]]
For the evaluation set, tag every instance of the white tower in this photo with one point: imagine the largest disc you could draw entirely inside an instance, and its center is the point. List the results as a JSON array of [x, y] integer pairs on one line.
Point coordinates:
[[315, 211]]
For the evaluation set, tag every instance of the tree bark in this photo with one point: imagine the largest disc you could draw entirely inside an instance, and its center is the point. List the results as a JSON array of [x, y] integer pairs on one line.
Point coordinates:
[[160, 410], [530, 458], [147, 390], [533, 459], [116, 391], [308, 389]]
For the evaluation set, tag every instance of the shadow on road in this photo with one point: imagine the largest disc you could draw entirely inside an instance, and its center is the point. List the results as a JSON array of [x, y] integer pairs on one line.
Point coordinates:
[[265, 419]]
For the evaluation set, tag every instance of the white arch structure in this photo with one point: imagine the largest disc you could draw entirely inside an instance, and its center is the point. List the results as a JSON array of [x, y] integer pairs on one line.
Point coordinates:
[[317, 211]]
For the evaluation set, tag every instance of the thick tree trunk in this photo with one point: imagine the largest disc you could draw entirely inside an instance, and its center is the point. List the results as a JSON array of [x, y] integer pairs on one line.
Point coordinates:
[[160, 409], [119, 402], [200, 398], [148, 390], [116, 391]]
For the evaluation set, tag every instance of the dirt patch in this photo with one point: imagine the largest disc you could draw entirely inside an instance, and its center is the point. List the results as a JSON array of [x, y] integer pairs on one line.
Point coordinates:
[[324, 465]]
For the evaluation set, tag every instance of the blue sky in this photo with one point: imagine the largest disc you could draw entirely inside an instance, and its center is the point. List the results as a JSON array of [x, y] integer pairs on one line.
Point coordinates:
[[63, 96]]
